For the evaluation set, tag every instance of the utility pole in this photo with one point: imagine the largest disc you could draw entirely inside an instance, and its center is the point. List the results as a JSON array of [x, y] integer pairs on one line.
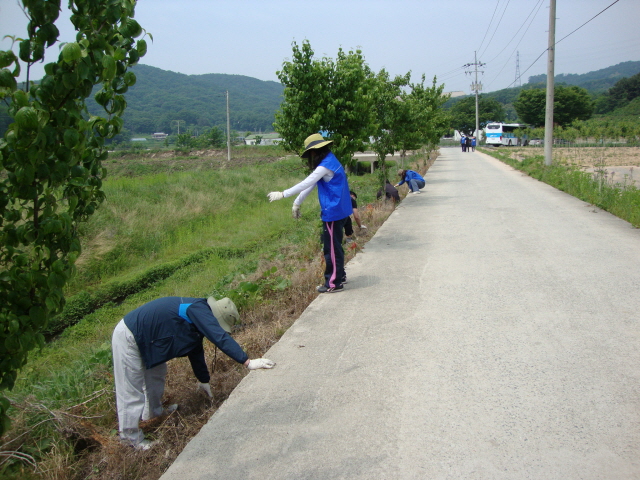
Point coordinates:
[[228, 131], [548, 118], [476, 87], [178, 122]]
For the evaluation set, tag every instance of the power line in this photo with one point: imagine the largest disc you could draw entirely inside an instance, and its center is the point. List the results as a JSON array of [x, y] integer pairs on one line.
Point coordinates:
[[538, 5], [587, 22], [498, 25], [489, 26], [556, 43], [516, 47]]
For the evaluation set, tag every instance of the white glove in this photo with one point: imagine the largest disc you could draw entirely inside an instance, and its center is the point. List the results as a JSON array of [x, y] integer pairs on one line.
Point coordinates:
[[260, 363], [363, 227], [206, 388], [295, 211], [273, 196]]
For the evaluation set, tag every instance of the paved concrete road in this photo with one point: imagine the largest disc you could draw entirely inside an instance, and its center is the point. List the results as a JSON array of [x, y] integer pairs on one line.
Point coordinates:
[[490, 330]]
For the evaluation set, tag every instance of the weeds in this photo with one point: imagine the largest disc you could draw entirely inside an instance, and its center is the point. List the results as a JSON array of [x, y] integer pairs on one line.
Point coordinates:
[[194, 233]]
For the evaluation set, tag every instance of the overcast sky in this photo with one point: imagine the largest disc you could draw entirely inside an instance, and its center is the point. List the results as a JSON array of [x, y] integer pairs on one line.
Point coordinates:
[[434, 37]]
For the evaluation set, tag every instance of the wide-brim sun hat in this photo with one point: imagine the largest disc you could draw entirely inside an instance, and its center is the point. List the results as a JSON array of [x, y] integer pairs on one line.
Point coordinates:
[[225, 312], [314, 142]]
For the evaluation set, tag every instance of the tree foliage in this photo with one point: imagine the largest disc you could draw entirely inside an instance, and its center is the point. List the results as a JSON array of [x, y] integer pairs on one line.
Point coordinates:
[[463, 114], [335, 97], [348, 103], [51, 160], [620, 95], [390, 112], [569, 104]]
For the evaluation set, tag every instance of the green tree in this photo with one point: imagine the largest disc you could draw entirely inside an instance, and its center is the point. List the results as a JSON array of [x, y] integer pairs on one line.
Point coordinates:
[[389, 107], [185, 140], [569, 103], [326, 95], [350, 117], [215, 137], [51, 158], [623, 92], [304, 97], [463, 114], [430, 121]]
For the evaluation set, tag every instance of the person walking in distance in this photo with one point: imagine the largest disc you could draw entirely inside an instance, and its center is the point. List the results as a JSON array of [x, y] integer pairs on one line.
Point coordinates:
[[463, 143], [156, 332], [329, 177], [473, 144]]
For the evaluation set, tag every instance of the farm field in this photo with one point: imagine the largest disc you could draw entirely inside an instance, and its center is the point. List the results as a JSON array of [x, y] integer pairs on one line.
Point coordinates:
[[619, 163]]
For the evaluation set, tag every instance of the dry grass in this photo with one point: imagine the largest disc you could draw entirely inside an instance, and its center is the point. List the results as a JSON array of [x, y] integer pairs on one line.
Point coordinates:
[[97, 453], [586, 156]]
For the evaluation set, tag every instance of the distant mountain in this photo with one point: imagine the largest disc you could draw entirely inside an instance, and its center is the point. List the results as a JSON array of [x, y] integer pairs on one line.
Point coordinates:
[[160, 98], [597, 81]]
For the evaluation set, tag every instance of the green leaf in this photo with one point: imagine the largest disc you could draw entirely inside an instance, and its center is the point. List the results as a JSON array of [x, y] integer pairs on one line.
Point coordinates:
[[71, 52], [25, 50], [108, 67], [7, 80], [141, 46], [38, 316], [71, 137]]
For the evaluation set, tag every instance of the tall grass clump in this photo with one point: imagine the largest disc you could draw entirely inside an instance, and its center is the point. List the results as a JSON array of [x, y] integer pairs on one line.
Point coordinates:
[[622, 200]]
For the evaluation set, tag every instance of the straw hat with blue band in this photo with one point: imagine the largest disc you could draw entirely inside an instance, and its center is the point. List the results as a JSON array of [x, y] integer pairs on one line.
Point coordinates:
[[313, 142]]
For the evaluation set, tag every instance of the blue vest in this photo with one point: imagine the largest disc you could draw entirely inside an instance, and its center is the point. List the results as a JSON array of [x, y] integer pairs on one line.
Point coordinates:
[[335, 201]]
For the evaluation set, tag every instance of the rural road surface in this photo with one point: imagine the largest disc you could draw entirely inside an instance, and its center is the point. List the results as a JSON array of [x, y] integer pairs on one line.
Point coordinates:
[[489, 330]]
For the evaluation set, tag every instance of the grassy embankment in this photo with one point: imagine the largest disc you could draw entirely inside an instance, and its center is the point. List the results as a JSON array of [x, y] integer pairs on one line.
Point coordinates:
[[568, 173], [170, 226]]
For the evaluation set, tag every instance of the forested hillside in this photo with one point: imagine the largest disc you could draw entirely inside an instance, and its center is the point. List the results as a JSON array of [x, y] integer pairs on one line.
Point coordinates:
[[597, 81], [606, 87], [160, 98]]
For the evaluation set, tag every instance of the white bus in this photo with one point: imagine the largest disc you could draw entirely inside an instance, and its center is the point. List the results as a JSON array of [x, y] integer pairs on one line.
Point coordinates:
[[503, 134]]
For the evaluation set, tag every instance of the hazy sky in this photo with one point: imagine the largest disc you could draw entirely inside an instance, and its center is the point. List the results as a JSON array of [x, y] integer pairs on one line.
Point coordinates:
[[434, 37]]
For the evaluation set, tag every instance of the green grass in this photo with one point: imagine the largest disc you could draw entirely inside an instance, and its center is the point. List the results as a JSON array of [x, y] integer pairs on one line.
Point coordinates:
[[621, 200], [192, 233]]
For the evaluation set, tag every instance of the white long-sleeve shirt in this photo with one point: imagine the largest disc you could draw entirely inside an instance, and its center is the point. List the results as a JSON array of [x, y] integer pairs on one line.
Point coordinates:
[[305, 187]]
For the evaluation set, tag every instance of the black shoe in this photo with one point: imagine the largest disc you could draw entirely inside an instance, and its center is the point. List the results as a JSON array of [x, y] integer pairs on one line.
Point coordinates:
[[344, 280], [325, 289]]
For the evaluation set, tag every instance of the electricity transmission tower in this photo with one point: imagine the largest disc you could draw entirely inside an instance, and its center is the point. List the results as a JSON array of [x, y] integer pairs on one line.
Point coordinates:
[[475, 87], [518, 82]]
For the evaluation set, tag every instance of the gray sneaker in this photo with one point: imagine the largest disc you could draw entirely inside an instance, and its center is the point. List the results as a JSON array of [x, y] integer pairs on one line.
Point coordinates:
[[325, 289]]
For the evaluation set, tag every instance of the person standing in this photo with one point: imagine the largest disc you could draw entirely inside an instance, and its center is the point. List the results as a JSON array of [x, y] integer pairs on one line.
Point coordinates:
[[413, 179], [463, 143], [473, 144], [156, 332], [335, 205], [468, 144]]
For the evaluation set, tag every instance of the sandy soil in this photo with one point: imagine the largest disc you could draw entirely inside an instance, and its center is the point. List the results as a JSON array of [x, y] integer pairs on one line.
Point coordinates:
[[621, 164]]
